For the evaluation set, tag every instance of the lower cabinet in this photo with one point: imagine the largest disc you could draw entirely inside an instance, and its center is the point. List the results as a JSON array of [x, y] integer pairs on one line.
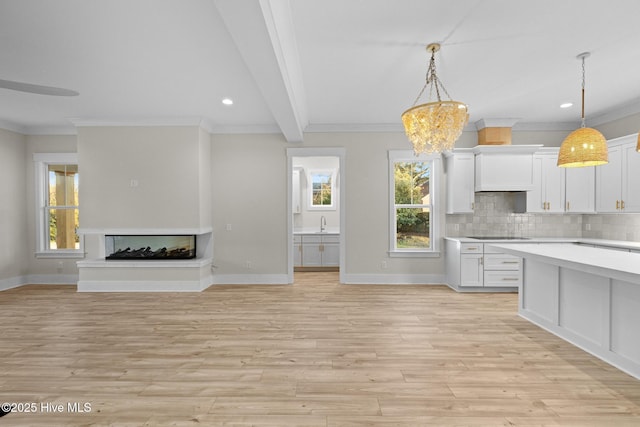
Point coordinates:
[[316, 250], [475, 265]]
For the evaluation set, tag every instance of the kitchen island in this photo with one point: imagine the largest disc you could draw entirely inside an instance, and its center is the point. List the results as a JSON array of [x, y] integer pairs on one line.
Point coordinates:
[[589, 296]]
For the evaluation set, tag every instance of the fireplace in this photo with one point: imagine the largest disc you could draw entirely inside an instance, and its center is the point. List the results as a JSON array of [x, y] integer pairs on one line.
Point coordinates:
[[149, 247]]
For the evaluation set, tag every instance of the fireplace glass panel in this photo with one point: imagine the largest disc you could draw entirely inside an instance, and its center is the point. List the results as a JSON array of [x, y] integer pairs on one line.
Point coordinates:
[[140, 247]]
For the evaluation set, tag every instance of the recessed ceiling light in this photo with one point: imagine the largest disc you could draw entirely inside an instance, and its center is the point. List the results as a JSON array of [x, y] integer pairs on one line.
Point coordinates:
[[566, 105], [227, 101]]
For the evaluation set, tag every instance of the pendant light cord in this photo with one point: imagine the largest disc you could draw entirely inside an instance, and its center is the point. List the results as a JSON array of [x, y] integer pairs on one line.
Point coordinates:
[[583, 79]]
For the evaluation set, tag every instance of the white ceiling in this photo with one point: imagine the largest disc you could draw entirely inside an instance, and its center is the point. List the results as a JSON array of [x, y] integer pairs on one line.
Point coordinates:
[[313, 65]]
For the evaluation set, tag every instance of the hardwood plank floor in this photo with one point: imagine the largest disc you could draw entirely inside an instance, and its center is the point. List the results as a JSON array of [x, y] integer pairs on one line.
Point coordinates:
[[313, 354]]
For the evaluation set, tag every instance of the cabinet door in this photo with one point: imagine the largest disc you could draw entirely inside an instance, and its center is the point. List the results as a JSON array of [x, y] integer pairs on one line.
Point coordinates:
[[580, 190], [553, 184], [296, 198], [311, 255], [609, 182], [331, 254], [471, 271], [297, 254], [631, 179], [460, 183], [535, 197]]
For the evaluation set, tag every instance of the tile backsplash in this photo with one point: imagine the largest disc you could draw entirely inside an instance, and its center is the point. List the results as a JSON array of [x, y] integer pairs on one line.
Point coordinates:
[[494, 216]]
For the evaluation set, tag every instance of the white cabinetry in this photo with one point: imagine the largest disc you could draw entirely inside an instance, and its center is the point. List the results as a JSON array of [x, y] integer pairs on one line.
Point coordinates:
[[460, 166], [471, 270], [548, 192], [580, 187], [504, 168], [316, 250], [617, 188], [477, 266], [296, 198]]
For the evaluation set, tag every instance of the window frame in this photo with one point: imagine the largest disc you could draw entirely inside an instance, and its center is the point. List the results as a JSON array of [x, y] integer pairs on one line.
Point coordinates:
[[332, 174], [41, 166], [396, 156]]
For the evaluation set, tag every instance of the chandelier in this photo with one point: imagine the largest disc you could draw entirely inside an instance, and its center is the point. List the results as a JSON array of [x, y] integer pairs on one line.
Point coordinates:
[[584, 146], [435, 126]]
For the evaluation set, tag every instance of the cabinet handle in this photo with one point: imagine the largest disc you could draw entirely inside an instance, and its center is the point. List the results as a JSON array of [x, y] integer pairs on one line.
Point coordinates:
[[473, 205], [481, 260], [511, 262], [622, 204], [548, 206], [617, 204], [567, 205], [510, 279], [321, 248]]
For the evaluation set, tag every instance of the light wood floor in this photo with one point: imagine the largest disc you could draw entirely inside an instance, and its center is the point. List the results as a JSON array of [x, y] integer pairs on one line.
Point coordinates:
[[313, 354]]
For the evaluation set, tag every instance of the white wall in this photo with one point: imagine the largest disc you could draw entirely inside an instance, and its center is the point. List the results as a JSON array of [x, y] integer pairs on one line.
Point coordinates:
[[249, 176], [13, 221], [142, 177]]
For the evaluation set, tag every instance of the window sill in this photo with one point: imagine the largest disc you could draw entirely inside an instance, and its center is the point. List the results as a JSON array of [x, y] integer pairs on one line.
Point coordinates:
[[413, 254], [60, 254]]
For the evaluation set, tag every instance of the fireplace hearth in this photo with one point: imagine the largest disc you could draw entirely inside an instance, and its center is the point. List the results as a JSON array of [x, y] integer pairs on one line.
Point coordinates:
[[150, 247]]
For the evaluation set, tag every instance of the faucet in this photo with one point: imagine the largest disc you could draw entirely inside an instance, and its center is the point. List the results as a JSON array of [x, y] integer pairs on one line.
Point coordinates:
[[323, 223]]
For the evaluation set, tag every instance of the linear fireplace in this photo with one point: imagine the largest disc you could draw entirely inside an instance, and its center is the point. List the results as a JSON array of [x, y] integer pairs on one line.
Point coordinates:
[[151, 247]]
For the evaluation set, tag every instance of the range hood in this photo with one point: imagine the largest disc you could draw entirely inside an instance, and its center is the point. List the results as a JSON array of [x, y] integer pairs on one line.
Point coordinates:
[[504, 167]]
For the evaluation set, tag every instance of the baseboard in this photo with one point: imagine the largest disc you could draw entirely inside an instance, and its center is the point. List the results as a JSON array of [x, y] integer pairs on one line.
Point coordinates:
[[52, 279], [250, 279], [394, 279], [143, 286], [12, 282], [38, 279]]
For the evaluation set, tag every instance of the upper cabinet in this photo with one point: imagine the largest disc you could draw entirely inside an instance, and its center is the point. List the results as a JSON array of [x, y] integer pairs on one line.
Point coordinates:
[[460, 181], [296, 198], [548, 192], [580, 187], [617, 182]]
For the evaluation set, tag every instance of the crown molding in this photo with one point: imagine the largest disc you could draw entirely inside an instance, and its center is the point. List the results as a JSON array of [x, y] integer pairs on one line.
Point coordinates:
[[623, 111], [496, 123]]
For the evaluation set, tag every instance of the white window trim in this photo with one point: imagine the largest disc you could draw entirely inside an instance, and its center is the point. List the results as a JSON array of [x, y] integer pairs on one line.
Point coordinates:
[[332, 206], [41, 161], [434, 224]]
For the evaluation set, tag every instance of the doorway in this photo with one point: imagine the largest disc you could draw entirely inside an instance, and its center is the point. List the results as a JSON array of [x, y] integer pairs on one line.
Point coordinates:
[[316, 207]]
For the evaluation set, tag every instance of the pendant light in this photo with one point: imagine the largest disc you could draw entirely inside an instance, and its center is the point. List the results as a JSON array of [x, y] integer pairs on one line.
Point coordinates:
[[435, 126], [584, 146]]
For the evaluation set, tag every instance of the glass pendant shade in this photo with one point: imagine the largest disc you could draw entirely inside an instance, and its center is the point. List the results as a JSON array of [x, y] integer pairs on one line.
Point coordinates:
[[435, 127], [583, 147]]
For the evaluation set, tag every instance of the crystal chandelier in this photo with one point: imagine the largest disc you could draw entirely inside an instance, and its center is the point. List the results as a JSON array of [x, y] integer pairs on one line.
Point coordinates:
[[584, 146], [435, 126]]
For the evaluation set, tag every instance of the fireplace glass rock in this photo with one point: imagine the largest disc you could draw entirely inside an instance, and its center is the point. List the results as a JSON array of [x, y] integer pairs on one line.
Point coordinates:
[[142, 247]]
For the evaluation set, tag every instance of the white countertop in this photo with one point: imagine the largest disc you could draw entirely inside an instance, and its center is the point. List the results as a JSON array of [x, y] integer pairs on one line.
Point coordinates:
[[328, 230], [600, 242], [602, 262]]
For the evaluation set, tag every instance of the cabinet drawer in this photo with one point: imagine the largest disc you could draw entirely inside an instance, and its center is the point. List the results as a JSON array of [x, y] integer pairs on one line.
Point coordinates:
[[331, 239], [471, 248], [501, 262], [310, 238], [496, 278]]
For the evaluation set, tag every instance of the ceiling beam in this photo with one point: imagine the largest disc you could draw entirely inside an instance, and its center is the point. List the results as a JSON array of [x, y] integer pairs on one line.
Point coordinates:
[[262, 30]]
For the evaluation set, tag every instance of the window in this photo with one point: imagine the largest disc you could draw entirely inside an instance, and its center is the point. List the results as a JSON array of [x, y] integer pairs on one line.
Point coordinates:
[[413, 183], [58, 212], [322, 190]]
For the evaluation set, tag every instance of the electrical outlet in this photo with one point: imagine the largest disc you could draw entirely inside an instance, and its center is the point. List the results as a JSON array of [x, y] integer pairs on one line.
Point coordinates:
[[248, 265], [383, 265], [587, 227], [228, 227]]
